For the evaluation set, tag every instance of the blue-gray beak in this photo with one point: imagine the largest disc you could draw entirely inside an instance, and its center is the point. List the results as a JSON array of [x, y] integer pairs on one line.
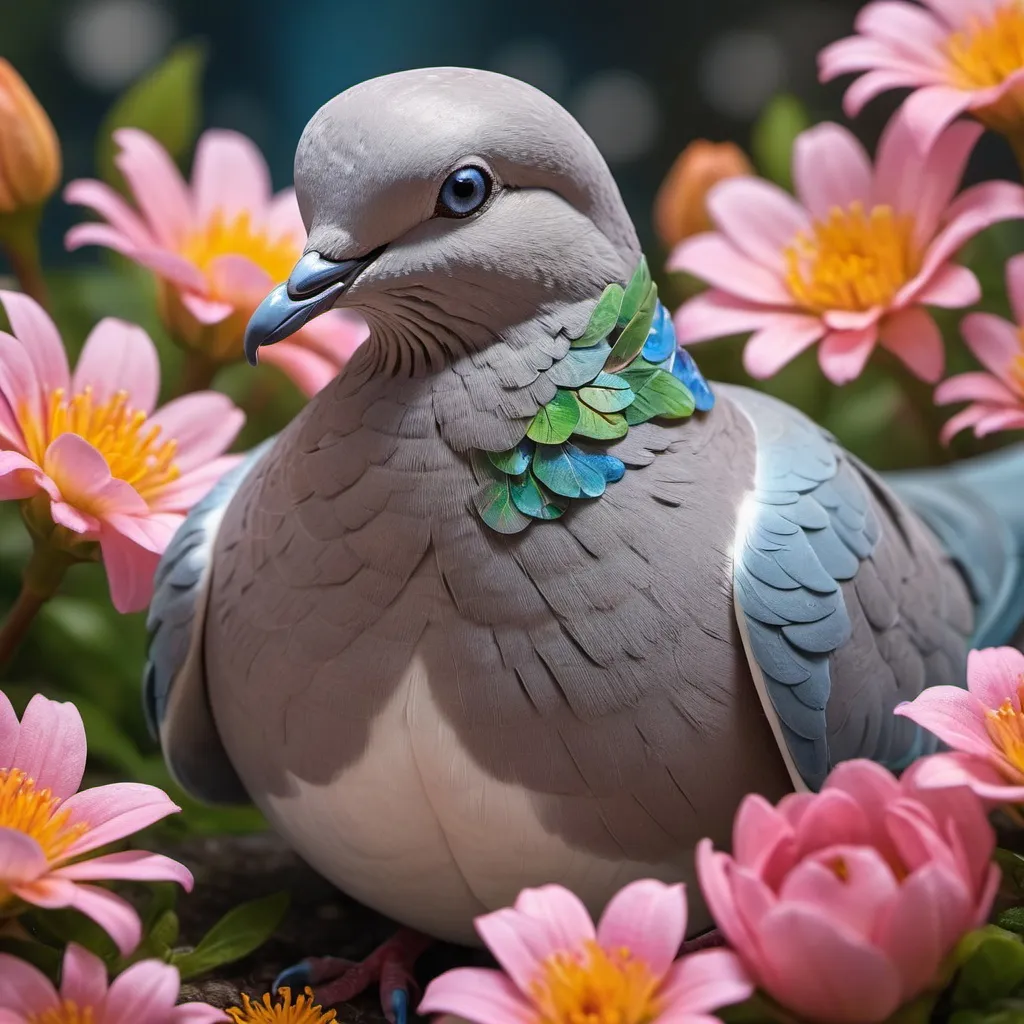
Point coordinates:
[[312, 289]]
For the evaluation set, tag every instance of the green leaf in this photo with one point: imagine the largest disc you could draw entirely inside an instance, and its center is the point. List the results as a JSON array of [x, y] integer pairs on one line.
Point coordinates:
[[603, 319], [556, 467], [580, 366], [497, 509], [46, 958], [658, 393], [610, 380], [59, 927], [1012, 866], [636, 292], [774, 135], [1012, 920], [601, 426], [634, 334], [534, 500], [515, 460], [606, 399], [993, 971], [165, 104], [237, 934], [556, 421]]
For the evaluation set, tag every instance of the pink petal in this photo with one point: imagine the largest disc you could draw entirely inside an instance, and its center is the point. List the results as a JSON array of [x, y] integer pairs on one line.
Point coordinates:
[[763, 839], [831, 169], [956, 12], [999, 419], [31, 325], [931, 109], [83, 978], [284, 219], [476, 994], [130, 865], [114, 812], [953, 287], [335, 335], [964, 420], [20, 477], [758, 218], [561, 913], [873, 789], [151, 532], [166, 264], [25, 990], [1015, 286], [823, 971], [704, 982], [774, 346], [950, 771], [119, 356], [20, 386], [77, 522], [157, 185], [239, 281], [994, 342], [649, 919], [915, 339], [146, 991], [860, 53], [833, 819], [874, 83], [8, 731], [843, 354], [21, 857], [909, 28], [712, 258], [196, 1013], [229, 177], [181, 495], [307, 370], [995, 675], [130, 570], [207, 311], [974, 387], [84, 478], [940, 179], [715, 876], [112, 208], [954, 715], [715, 314], [204, 424], [51, 746]]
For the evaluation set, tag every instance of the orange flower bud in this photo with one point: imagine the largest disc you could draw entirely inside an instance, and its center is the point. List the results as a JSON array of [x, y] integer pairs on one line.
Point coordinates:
[[29, 149], [680, 208]]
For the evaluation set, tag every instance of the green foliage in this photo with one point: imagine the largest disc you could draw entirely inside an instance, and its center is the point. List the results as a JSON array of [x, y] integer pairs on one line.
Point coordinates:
[[771, 144], [165, 103], [989, 985]]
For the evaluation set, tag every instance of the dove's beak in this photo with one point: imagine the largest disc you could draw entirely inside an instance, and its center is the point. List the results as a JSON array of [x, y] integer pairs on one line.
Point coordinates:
[[312, 289]]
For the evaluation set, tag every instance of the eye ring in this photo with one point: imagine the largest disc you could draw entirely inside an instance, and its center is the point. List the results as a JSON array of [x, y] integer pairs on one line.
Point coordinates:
[[464, 191]]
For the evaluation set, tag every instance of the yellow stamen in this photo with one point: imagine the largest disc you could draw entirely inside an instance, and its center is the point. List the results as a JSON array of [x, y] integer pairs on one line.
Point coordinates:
[[67, 1013], [1005, 727], [853, 261], [1017, 363], [302, 1011], [596, 987], [989, 50], [239, 237], [131, 445]]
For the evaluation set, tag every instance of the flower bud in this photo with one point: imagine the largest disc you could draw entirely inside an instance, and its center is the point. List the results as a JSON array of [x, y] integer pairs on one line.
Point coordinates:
[[29, 149], [680, 208]]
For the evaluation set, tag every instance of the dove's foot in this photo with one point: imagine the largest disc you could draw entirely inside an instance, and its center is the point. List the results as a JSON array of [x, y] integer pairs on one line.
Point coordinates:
[[391, 964]]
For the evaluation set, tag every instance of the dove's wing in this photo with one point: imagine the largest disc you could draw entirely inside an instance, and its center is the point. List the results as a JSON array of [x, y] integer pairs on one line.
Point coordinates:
[[174, 686], [847, 605]]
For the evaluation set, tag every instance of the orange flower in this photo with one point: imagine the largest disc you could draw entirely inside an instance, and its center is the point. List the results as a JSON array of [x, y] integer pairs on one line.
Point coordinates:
[[29, 150], [680, 208]]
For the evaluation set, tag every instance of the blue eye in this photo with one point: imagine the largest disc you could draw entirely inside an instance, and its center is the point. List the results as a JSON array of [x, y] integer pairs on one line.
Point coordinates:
[[464, 191]]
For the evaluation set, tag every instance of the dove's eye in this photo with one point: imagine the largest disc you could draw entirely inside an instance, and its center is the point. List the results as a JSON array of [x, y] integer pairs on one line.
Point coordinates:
[[463, 191]]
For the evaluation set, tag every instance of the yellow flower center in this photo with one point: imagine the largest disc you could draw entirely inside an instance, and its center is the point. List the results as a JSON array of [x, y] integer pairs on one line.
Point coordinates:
[[853, 261], [302, 1011], [1005, 727], [239, 237], [596, 987], [1017, 363], [67, 1013], [133, 447], [989, 50]]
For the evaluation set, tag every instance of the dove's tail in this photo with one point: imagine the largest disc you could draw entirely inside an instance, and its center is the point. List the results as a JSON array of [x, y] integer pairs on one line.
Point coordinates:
[[976, 509]]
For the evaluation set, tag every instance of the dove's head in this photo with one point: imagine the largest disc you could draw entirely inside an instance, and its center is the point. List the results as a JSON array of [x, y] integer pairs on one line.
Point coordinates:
[[448, 202]]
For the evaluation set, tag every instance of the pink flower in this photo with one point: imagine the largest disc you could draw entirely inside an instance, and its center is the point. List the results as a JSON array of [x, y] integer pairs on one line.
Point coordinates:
[[853, 263], [557, 967], [145, 992], [843, 904], [996, 397], [960, 55], [218, 247], [45, 823], [984, 725], [112, 472]]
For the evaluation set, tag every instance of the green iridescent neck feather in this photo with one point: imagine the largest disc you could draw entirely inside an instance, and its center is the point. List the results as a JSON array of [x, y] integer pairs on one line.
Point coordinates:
[[623, 370]]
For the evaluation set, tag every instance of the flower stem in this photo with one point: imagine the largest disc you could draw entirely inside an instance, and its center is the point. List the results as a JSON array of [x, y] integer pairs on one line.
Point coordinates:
[[197, 373], [40, 580], [19, 235]]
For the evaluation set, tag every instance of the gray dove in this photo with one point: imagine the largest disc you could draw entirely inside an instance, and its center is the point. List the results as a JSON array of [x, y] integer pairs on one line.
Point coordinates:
[[519, 598]]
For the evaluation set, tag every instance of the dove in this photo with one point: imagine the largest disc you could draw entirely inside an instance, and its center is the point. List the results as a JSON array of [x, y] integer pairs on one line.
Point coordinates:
[[519, 597]]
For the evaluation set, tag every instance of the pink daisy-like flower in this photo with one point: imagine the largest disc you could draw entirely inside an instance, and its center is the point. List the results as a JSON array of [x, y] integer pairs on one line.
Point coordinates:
[[115, 472], [46, 823], [996, 396], [218, 246], [959, 55], [853, 262], [984, 726], [145, 993], [558, 967]]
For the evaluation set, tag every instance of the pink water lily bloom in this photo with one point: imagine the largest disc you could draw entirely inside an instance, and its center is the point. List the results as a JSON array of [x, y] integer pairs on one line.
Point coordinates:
[[46, 823], [145, 993], [218, 245], [557, 966], [843, 904], [958, 55], [115, 472], [984, 726], [996, 396], [853, 262]]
